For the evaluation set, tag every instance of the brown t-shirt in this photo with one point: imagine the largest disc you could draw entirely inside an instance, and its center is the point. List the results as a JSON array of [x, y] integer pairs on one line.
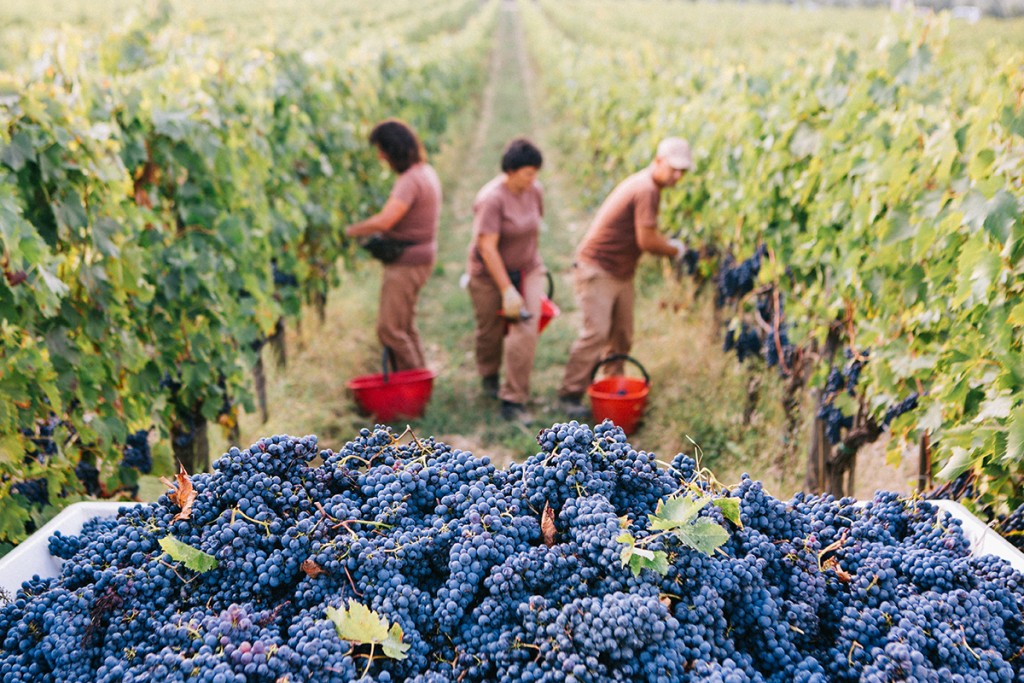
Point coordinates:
[[420, 188], [515, 218], [610, 243]]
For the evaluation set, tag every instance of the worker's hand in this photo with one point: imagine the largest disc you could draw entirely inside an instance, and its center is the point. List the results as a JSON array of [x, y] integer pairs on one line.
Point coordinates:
[[680, 250], [511, 303]]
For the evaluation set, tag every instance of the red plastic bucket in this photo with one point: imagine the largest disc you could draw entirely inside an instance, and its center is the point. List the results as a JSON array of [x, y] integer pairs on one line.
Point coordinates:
[[395, 394], [548, 312], [619, 398]]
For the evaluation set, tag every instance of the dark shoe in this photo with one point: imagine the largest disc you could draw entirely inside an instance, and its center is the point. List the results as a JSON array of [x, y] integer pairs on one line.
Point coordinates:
[[516, 412], [489, 385], [573, 408]]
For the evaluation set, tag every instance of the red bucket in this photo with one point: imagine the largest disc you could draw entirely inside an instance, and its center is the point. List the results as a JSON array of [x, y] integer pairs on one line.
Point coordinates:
[[392, 395], [619, 398], [548, 312]]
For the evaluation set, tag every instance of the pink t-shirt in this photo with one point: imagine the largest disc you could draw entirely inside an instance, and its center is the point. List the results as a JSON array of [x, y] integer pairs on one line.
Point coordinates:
[[610, 243], [420, 188], [515, 218]]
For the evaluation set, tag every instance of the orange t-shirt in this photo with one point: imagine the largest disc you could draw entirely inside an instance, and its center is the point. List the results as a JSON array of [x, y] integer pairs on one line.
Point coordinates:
[[420, 188], [610, 243], [515, 219]]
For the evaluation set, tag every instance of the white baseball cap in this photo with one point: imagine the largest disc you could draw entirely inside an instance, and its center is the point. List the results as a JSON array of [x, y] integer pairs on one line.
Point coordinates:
[[676, 152]]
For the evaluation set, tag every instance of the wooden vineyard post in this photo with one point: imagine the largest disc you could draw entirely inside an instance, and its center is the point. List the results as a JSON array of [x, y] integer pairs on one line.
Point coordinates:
[[924, 464]]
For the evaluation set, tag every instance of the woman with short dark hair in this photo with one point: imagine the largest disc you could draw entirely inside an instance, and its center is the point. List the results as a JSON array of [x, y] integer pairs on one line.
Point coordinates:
[[409, 220], [507, 277]]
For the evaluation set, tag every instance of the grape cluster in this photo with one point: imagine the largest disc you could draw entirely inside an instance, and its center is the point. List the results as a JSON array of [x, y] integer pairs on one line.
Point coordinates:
[[846, 380], [1011, 526], [137, 454], [40, 448], [691, 259], [835, 422], [747, 343], [509, 575], [771, 349], [964, 486], [282, 278], [904, 406], [736, 279]]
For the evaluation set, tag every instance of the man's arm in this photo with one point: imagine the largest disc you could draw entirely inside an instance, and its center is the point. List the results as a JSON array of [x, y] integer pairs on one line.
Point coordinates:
[[648, 238]]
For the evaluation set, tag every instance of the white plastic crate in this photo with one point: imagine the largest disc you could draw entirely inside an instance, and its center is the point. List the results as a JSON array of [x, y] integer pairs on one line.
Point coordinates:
[[33, 556]]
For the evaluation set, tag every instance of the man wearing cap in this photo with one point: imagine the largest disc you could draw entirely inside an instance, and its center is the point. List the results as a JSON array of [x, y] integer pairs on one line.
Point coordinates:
[[625, 226]]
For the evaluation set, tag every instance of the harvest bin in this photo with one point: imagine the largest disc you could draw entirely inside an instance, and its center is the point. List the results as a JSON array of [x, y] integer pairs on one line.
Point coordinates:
[[33, 557]]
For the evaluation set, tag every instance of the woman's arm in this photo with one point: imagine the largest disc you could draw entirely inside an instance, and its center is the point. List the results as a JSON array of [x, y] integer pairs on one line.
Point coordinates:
[[382, 221], [487, 245]]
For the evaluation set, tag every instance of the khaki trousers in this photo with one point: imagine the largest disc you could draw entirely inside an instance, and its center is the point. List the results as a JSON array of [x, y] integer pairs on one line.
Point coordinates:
[[514, 350], [396, 317], [606, 303]]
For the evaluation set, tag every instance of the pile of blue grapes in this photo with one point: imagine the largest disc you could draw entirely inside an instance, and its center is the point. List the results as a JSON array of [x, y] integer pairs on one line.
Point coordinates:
[[454, 551]]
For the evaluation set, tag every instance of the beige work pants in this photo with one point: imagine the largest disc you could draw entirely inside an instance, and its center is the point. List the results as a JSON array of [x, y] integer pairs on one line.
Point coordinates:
[[396, 316], [606, 303], [514, 350]]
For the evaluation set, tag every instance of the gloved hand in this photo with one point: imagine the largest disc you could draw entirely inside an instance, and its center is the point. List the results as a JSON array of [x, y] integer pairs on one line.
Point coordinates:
[[511, 303], [680, 250]]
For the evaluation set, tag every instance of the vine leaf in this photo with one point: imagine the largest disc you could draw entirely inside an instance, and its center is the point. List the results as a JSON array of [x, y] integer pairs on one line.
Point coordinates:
[[703, 535], [730, 507], [673, 513], [639, 559], [1015, 436], [194, 559], [183, 494], [679, 515], [959, 462], [359, 624]]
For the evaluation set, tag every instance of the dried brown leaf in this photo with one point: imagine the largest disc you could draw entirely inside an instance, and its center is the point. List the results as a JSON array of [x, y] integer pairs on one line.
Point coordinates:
[[547, 525], [311, 568], [183, 494]]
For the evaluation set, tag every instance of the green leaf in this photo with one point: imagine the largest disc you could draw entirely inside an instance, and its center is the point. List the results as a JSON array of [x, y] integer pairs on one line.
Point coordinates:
[[70, 212], [393, 645], [679, 515], [1015, 437], [1016, 317], [13, 518], [674, 512], [638, 559], [978, 268], [194, 559], [703, 535], [359, 624], [103, 232], [17, 152], [1003, 211], [997, 408], [12, 449], [958, 463], [730, 507]]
